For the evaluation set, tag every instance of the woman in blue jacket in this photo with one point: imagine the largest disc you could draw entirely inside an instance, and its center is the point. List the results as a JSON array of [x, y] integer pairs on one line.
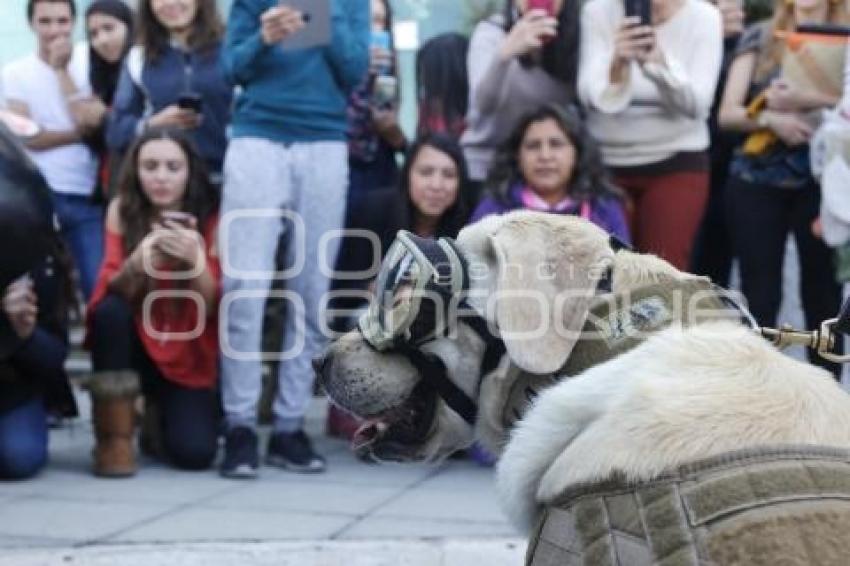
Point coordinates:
[[173, 78]]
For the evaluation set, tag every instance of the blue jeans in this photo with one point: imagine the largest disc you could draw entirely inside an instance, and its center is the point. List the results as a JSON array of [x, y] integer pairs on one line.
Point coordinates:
[[82, 229], [23, 440]]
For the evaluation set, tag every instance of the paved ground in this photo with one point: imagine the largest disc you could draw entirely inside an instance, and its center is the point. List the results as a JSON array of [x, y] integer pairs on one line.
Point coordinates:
[[375, 514]]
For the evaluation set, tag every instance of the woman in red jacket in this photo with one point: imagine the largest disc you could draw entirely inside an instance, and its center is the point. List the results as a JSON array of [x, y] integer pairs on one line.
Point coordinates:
[[152, 317]]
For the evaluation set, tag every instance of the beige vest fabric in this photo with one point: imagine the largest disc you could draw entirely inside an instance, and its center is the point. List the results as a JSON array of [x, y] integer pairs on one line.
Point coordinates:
[[770, 507]]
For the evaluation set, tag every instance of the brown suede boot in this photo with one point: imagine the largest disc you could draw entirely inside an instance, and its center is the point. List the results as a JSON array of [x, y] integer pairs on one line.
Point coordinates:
[[114, 419]]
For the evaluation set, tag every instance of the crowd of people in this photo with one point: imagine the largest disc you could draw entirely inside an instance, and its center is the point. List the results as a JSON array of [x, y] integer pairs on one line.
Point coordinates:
[[198, 165]]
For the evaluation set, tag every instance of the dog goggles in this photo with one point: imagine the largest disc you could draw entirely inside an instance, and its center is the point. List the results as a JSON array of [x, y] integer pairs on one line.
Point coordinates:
[[420, 287], [419, 281]]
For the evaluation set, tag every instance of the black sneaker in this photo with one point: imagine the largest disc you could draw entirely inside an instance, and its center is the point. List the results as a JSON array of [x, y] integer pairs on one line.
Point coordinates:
[[294, 452], [240, 454]]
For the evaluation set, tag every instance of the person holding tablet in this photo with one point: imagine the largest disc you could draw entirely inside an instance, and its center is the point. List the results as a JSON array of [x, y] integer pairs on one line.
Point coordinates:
[[287, 160]]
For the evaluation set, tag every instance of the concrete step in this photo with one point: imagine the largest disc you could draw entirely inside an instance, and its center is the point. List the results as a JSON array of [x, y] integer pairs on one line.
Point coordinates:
[[447, 552]]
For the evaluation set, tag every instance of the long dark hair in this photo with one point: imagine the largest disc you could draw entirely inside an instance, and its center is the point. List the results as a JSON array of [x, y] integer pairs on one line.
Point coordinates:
[[589, 180], [103, 75], [30, 234], [388, 10], [559, 57], [442, 83], [136, 211], [455, 217], [207, 29]]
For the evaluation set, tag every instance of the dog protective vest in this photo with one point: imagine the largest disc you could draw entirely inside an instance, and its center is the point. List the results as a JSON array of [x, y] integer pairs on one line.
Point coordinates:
[[782, 506]]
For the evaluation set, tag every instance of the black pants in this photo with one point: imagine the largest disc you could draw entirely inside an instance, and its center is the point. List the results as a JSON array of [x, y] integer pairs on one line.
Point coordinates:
[[712, 253], [189, 416], [760, 219]]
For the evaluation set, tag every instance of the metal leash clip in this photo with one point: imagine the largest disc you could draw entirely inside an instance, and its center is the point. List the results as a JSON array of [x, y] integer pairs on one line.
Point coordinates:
[[822, 341]]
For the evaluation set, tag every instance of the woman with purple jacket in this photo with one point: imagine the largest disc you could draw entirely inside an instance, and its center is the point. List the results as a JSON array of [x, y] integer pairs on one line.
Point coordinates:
[[551, 164]]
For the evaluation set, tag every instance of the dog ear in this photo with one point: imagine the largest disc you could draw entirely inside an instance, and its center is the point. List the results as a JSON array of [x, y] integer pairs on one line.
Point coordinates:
[[548, 267]]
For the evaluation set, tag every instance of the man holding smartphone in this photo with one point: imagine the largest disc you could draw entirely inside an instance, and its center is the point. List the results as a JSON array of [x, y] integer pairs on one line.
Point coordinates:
[[285, 172]]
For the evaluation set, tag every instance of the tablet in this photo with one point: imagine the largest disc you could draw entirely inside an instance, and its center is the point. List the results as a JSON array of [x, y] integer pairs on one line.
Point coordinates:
[[824, 29], [317, 24]]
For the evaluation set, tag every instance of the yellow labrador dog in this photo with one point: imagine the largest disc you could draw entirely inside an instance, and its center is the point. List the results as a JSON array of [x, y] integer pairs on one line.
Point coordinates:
[[681, 393]]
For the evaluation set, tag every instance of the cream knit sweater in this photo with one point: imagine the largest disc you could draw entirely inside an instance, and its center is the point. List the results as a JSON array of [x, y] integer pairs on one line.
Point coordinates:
[[658, 111]]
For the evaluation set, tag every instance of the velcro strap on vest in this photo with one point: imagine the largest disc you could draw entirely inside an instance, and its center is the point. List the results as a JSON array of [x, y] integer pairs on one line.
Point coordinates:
[[788, 505], [616, 323]]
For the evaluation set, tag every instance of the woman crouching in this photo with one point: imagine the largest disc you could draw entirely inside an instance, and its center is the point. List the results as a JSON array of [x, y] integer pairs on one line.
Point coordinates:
[[152, 318]]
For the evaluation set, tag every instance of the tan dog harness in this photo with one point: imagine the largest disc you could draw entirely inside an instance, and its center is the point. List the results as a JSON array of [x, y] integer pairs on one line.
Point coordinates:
[[766, 507]]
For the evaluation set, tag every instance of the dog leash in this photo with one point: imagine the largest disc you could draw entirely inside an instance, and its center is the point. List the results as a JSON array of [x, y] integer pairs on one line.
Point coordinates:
[[822, 340]]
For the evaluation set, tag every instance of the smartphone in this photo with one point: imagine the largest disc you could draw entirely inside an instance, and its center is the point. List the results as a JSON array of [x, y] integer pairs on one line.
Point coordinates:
[[183, 218], [641, 9], [317, 24], [824, 29], [547, 6], [384, 91], [190, 101], [381, 39]]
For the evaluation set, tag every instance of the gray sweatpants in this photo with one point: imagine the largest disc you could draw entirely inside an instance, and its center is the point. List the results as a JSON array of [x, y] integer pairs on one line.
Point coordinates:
[[270, 189]]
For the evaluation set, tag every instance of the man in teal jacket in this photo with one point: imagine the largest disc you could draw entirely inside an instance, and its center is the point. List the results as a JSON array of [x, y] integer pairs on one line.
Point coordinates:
[[286, 170]]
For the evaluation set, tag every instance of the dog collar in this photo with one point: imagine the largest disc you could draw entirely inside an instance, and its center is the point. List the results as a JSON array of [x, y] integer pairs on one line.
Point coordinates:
[[618, 322]]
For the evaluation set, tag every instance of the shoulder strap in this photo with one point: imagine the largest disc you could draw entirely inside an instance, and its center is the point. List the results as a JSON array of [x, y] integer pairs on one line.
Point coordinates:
[[135, 62]]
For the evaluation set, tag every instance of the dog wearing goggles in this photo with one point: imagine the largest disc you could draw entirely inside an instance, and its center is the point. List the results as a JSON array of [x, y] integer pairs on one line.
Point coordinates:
[[683, 393]]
